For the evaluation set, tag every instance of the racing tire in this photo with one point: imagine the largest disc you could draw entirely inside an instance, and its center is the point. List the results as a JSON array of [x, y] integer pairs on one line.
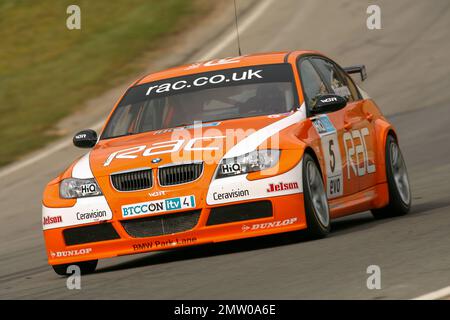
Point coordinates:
[[398, 183], [86, 267], [317, 211]]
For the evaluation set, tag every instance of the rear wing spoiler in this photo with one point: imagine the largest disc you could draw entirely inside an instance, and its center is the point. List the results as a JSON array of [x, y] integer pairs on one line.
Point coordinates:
[[360, 68]]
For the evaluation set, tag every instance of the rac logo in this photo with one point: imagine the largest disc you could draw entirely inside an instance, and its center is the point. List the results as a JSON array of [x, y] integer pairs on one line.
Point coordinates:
[[163, 148], [356, 153]]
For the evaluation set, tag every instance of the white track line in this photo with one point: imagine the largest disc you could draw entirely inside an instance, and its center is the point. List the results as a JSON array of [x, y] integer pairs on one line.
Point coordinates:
[[43, 154], [435, 295], [231, 36]]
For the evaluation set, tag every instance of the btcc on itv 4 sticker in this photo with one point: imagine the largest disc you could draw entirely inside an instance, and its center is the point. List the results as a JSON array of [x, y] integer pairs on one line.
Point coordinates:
[[157, 206], [332, 154]]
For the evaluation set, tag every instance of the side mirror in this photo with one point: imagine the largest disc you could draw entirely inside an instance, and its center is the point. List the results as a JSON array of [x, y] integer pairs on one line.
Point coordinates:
[[328, 103], [85, 139]]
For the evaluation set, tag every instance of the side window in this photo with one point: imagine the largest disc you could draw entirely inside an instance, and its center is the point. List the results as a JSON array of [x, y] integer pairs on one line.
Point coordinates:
[[334, 78], [313, 85], [350, 84]]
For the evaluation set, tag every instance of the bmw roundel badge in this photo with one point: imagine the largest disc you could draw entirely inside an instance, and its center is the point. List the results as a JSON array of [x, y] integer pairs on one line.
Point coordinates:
[[156, 160]]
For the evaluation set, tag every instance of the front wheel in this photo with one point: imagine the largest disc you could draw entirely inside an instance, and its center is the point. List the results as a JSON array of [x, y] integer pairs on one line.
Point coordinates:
[[85, 267], [316, 203], [398, 183]]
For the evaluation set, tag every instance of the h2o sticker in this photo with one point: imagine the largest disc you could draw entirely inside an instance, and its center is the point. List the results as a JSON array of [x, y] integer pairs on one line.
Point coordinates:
[[161, 148]]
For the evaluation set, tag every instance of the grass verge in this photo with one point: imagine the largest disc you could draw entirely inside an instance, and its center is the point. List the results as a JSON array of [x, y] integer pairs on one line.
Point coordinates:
[[46, 70]]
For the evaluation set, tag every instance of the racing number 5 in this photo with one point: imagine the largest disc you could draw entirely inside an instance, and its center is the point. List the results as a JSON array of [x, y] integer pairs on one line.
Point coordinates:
[[333, 163], [332, 156]]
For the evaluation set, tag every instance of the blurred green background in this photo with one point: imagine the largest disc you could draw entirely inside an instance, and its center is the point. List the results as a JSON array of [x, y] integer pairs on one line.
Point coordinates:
[[46, 70]]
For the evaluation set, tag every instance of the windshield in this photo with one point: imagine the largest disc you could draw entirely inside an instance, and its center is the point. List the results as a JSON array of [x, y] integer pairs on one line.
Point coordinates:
[[206, 97]]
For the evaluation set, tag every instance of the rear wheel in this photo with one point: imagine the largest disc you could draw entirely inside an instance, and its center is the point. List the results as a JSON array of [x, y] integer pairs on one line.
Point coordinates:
[[316, 203], [85, 267], [398, 183]]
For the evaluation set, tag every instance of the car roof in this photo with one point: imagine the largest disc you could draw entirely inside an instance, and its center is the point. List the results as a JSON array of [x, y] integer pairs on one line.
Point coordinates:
[[220, 64]]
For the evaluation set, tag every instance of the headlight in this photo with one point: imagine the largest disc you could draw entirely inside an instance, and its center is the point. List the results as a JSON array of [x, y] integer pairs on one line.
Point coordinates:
[[79, 188], [250, 162]]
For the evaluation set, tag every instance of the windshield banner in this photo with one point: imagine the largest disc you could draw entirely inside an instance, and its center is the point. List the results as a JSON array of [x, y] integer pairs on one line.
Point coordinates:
[[208, 80]]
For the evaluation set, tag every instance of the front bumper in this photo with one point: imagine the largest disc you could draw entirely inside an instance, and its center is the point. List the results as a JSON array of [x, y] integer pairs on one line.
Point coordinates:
[[287, 215]]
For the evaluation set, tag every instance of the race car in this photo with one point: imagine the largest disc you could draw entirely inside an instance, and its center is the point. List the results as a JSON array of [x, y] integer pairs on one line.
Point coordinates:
[[225, 149]]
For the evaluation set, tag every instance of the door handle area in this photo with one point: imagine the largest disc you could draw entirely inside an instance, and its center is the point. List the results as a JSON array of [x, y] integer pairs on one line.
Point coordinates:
[[348, 125]]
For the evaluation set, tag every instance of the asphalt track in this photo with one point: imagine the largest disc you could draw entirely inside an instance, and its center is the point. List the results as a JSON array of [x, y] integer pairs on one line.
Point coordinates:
[[408, 63]]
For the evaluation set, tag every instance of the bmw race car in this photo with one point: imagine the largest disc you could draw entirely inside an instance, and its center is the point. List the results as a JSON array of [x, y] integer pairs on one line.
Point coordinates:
[[221, 150]]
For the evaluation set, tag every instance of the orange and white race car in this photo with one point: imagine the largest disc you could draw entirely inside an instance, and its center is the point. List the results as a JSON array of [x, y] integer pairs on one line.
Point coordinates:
[[225, 149]]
